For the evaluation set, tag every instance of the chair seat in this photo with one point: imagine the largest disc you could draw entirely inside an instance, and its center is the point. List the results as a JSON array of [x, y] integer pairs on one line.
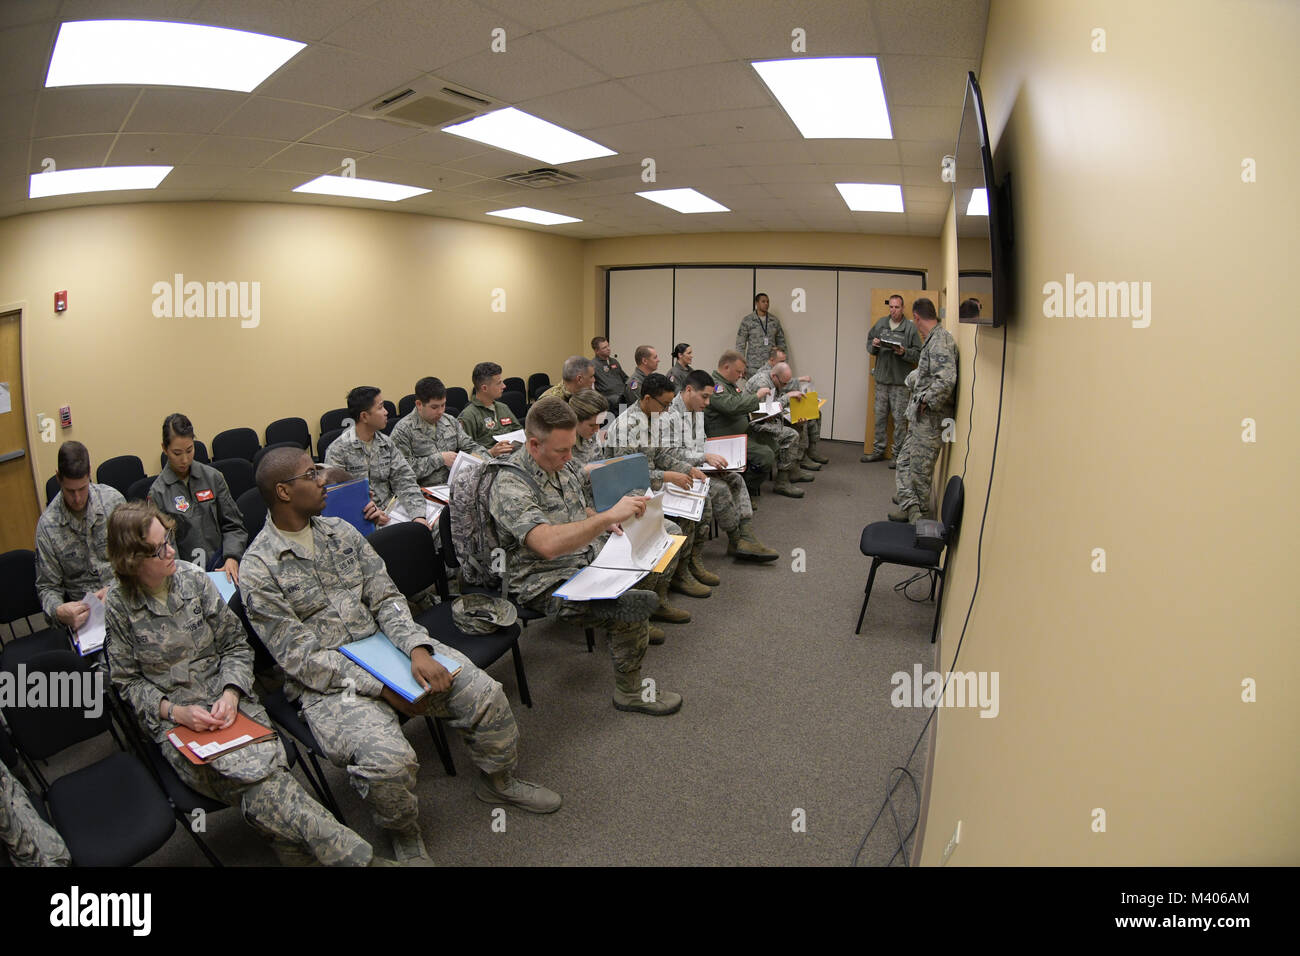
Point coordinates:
[[288, 716], [184, 797], [23, 649], [111, 813], [895, 542], [482, 649]]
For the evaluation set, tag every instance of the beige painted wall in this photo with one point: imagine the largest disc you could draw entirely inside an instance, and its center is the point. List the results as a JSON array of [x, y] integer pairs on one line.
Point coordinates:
[[1122, 691], [348, 297]]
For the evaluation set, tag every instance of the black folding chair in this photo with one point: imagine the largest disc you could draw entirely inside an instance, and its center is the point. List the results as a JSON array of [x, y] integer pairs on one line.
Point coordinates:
[[514, 384], [139, 490], [333, 419], [517, 404], [890, 542], [326, 439], [238, 473], [120, 472], [20, 602], [235, 443], [392, 417], [253, 508], [406, 405], [109, 813], [52, 487], [457, 399], [289, 430], [538, 382]]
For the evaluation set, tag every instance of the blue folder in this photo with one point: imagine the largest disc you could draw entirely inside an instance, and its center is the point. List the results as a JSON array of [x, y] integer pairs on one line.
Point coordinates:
[[348, 501], [377, 655], [224, 584], [618, 477]]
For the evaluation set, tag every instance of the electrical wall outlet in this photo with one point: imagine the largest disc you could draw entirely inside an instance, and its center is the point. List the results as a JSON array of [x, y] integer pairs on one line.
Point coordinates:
[[952, 845]]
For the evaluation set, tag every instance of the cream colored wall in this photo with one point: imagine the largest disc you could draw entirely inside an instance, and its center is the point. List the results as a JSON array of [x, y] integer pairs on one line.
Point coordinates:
[[348, 297], [1123, 690], [727, 248]]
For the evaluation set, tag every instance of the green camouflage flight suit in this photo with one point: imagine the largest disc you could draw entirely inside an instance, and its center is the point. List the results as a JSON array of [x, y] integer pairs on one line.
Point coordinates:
[[216, 528], [483, 424]]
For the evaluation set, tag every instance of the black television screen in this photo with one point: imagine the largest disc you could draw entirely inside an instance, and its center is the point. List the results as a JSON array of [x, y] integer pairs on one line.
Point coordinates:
[[982, 260]]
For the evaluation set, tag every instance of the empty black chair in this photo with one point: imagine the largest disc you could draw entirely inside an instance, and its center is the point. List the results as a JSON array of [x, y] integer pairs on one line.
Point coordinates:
[[253, 508], [139, 490], [52, 488], [457, 399], [392, 417], [517, 403], [120, 472], [514, 384], [110, 813], [200, 454], [891, 542], [238, 473], [288, 430], [19, 602], [538, 382], [326, 439], [235, 443], [261, 452], [333, 419], [406, 405]]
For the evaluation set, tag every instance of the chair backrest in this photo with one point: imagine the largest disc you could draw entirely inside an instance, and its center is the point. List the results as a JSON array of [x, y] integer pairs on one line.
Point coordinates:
[[517, 403], [52, 488], [954, 501], [262, 658], [235, 443], [406, 405], [288, 430], [253, 509], [74, 691], [457, 399], [200, 454], [333, 419], [262, 452], [139, 490], [238, 473], [538, 382], [409, 556], [514, 384], [326, 439], [18, 598], [120, 472]]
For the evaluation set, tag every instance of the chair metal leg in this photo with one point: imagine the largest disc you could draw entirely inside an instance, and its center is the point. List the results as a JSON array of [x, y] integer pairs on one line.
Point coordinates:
[[185, 822], [938, 606], [439, 734], [866, 594], [934, 578], [520, 678], [591, 639]]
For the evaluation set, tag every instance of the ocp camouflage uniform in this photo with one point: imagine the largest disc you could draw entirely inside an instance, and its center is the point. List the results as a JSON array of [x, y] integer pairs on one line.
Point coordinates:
[[189, 648], [422, 445], [556, 391], [215, 525], [890, 371], [381, 463], [563, 498], [306, 603], [72, 550], [483, 423], [728, 496], [29, 839], [936, 387], [756, 337], [786, 439]]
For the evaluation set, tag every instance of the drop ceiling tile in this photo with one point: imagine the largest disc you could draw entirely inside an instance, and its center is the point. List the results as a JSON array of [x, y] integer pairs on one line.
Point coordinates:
[[644, 137], [803, 192], [204, 177], [762, 29], [711, 88], [938, 193], [360, 135], [294, 21], [529, 67], [66, 112], [153, 149], [787, 152], [927, 122], [495, 162], [424, 34], [26, 55], [924, 176], [72, 152], [741, 126], [877, 152], [851, 173], [929, 27], [166, 110], [410, 173], [644, 39], [786, 174], [126, 9], [590, 107], [493, 189], [16, 113], [262, 118], [19, 14], [432, 147], [329, 76], [925, 80], [235, 151], [928, 153], [314, 160]]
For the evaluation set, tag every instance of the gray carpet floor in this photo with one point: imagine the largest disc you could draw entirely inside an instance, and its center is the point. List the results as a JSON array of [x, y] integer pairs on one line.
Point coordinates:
[[785, 710]]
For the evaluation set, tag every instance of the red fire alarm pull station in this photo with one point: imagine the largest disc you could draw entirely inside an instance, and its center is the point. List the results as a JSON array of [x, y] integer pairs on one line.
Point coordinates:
[[65, 416], [61, 301]]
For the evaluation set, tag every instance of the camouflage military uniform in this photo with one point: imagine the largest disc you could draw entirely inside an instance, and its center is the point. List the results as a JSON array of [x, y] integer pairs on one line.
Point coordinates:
[[29, 839], [891, 368], [789, 448], [563, 498], [190, 649], [756, 337], [422, 445], [72, 550], [203, 500], [611, 381], [936, 387], [484, 424], [305, 607], [728, 414], [383, 464], [587, 450], [728, 496], [556, 391]]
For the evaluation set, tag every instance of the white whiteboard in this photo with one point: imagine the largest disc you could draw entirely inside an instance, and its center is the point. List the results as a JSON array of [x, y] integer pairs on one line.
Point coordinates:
[[641, 313], [709, 306]]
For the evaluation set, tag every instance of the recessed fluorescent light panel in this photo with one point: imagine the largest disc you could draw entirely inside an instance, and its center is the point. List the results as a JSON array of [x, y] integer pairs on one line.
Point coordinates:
[[979, 203], [684, 200], [149, 53], [834, 98], [96, 179], [529, 214], [359, 188], [517, 131], [872, 197]]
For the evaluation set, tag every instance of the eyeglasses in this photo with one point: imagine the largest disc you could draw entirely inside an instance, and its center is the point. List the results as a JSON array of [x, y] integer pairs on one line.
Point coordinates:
[[169, 542], [311, 474]]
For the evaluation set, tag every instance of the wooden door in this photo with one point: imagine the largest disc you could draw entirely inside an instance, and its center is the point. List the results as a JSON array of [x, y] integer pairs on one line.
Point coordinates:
[[880, 308], [20, 507]]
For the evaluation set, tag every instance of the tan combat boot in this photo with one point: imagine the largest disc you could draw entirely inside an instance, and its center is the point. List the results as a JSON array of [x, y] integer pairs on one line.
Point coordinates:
[[798, 474], [665, 611], [808, 464], [698, 571], [630, 696], [814, 452], [782, 485], [684, 582], [741, 543]]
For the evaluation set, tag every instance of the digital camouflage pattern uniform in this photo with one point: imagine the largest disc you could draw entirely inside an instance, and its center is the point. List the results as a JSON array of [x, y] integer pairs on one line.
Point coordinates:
[[936, 387], [483, 423], [756, 337], [728, 496], [890, 371], [215, 526], [29, 839], [728, 414], [562, 498], [587, 450], [788, 441], [422, 445], [382, 464], [189, 649], [72, 550], [305, 606]]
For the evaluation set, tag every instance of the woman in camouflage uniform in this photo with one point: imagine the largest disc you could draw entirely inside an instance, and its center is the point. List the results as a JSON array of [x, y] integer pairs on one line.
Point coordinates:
[[590, 406]]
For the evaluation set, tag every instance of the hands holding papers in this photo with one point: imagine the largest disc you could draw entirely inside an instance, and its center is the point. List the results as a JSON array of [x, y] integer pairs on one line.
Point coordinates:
[[628, 508], [626, 558]]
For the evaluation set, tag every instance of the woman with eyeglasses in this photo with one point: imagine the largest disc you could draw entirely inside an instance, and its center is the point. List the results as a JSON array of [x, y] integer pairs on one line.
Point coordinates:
[[681, 367], [178, 656], [590, 406], [211, 529]]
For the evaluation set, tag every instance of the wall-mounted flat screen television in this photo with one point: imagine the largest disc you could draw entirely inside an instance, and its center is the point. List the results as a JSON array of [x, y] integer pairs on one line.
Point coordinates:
[[983, 221]]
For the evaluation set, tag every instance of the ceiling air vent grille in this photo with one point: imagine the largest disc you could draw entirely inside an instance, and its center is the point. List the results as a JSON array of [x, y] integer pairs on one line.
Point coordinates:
[[541, 178]]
